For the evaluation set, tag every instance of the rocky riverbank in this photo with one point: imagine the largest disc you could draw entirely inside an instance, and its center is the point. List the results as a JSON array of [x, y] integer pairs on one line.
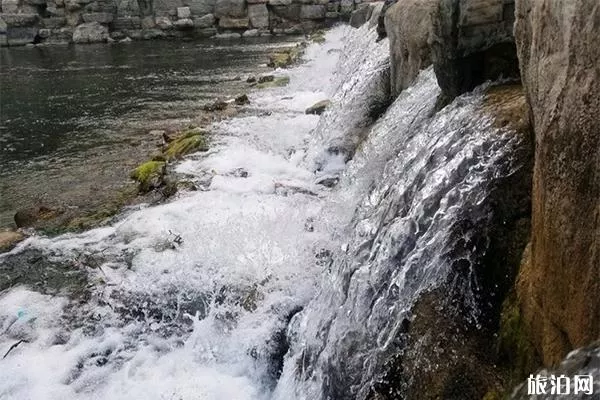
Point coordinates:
[[91, 21], [115, 176]]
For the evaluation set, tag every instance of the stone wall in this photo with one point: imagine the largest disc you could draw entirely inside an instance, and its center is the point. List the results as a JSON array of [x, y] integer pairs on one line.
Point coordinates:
[[82, 21]]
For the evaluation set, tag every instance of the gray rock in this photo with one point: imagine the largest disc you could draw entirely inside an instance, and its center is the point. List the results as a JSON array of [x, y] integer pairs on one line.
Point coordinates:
[[164, 23], [55, 11], [3, 26], [19, 36], [234, 23], [204, 22], [289, 12], [100, 17], [10, 6], [259, 15], [230, 8], [148, 22], [19, 20], [251, 33], [91, 32], [183, 12], [256, 1], [360, 16], [409, 27], [318, 108], [474, 43], [280, 2], [201, 7], [184, 24], [312, 12], [332, 14]]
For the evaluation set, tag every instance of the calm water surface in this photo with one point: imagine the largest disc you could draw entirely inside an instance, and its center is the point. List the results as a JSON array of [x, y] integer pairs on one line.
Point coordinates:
[[69, 115]]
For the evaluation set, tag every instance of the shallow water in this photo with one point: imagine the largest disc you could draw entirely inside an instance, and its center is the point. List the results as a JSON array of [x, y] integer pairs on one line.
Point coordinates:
[[67, 112], [189, 299]]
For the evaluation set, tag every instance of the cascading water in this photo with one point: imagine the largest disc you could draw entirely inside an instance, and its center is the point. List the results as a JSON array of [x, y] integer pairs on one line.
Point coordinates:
[[192, 299]]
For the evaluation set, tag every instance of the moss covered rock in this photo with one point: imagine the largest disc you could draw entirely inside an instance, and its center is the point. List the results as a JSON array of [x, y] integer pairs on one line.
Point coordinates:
[[149, 175], [187, 142], [284, 58]]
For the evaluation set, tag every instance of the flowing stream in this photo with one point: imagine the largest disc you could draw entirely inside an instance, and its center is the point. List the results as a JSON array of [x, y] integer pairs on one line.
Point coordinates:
[[267, 283]]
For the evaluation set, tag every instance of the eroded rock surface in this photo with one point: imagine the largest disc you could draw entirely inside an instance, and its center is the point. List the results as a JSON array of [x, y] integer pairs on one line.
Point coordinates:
[[559, 284]]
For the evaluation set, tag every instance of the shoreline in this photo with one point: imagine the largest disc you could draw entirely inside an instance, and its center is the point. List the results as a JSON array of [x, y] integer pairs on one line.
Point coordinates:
[[98, 200]]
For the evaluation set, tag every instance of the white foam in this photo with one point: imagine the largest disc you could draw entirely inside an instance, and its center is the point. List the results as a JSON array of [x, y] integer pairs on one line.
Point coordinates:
[[238, 253]]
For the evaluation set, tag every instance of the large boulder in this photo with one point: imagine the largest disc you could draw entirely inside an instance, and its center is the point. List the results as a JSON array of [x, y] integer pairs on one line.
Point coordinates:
[[473, 43], [559, 284], [410, 30], [92, 32]]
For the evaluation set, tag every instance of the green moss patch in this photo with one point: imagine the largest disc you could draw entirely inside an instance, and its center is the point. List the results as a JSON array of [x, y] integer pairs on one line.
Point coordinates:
[[514, 345], [193, 140], [284, 58], [149, 175]]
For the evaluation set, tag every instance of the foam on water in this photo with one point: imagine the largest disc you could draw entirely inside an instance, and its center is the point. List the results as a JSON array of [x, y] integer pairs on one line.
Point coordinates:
[[189, 299]]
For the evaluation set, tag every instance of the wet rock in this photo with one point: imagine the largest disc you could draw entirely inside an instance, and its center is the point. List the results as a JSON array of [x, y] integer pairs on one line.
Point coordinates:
[[217, 105], [360, 16], [91, 32], [185, 143], [583, 362], [242, 100], [474, 43], [318, 108], [410, 40], [559, 284], [284, 58], [277, 82], [9, 239], [266, 78], [149, 175], [28, 217], [328, 181]]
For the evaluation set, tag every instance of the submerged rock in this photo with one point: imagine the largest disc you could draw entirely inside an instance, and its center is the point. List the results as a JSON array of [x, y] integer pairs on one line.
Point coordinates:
[[242, 100], [319, 107]]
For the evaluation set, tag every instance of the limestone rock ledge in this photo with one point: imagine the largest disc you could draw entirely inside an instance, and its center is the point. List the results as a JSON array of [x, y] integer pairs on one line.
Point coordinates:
[[559, 285]]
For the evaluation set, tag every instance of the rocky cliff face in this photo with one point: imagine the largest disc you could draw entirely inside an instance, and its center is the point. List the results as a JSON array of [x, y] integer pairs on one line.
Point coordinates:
[[84, 21], [559, 284], [468, 42], [554, 306]]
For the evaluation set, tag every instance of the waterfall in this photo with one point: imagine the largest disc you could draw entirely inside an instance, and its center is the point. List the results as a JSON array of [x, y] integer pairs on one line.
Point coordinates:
[[424, 181], [271, 262]]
